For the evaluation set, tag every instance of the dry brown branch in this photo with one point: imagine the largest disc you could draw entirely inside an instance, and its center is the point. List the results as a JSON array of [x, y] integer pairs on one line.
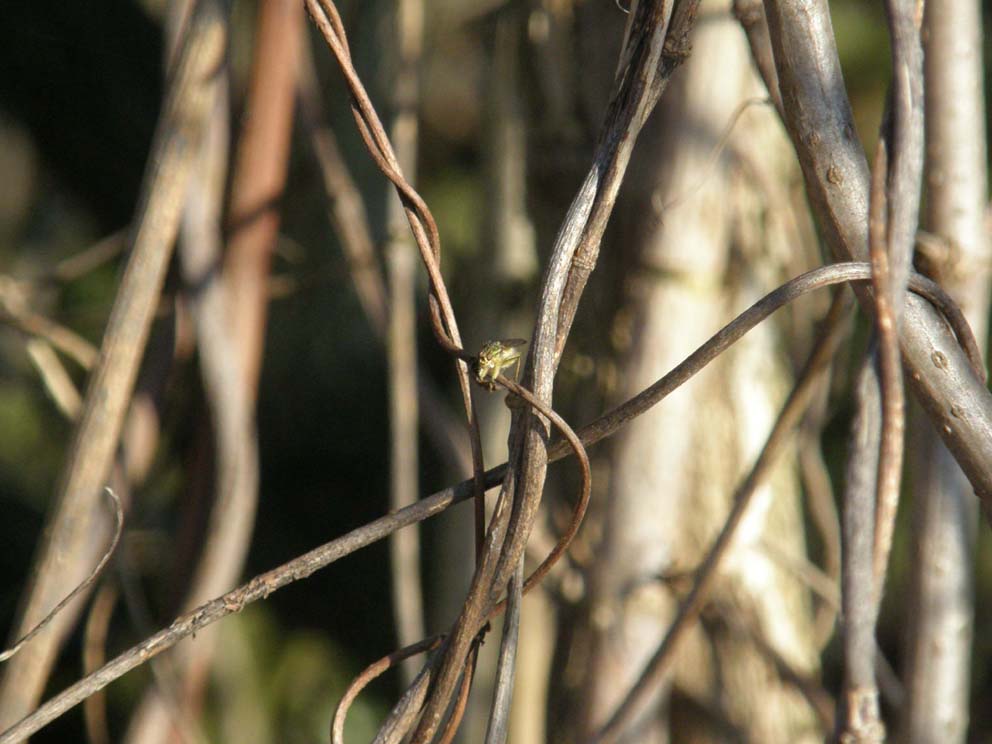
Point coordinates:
[[889, 474], [263, 585], [444, 325], [76, 527], [94, 657], [349, 220], [859, 718], [219, 563], [259, 178]]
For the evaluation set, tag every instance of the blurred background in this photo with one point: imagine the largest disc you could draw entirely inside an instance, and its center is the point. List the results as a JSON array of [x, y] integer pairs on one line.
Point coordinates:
[[507, 99]]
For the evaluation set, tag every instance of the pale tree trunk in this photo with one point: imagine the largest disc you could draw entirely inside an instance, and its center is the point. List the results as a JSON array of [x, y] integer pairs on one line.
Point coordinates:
[[716, 238], [945, 519], [401, 344]]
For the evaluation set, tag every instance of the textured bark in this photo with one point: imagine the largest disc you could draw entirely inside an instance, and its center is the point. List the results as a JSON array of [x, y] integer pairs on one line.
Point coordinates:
[[819, 121], [706, 248], [940, 621]]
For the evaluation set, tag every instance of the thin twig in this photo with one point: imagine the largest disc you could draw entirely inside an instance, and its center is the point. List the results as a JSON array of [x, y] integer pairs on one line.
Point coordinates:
[[346, 209], [818, 699], [890, 373], [401, 355], [822, 507], [820, 583], [499, 719], [904, 145], [79, 264], [371, 672], [871, 488], [715, 153], [891, 253], [609, 422], [461, 698], [349, 219], [443, 322], [94, 657], [859, 719], [751, 15], [118, 512]]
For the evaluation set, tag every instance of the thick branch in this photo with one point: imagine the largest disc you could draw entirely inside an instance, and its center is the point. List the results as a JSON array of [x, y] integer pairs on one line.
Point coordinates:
[[818, 117]]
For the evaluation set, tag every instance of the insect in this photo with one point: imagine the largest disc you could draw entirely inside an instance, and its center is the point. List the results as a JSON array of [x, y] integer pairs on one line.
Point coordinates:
[[496, 356]]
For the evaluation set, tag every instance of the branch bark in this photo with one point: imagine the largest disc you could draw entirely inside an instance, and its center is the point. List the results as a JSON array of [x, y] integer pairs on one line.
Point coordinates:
[[818, 118], [939, 638]]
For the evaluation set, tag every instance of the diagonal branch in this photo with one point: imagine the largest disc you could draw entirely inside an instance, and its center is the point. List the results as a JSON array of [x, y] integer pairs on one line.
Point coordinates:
[[76, 528]]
